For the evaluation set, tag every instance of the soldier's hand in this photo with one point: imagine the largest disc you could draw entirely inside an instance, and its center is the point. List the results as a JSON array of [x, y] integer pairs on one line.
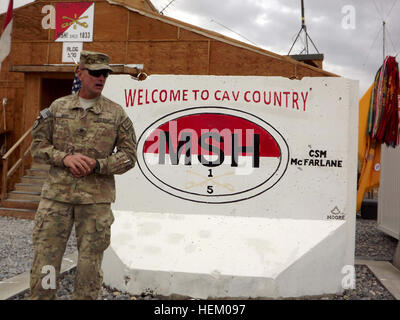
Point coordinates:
[[79, 165]]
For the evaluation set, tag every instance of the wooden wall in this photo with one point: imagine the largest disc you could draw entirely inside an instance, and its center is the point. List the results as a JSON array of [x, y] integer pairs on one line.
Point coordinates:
[[129, 37], [164, 47]]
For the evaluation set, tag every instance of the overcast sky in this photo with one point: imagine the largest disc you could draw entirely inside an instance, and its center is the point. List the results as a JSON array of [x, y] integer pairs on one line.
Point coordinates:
[[348, 32]]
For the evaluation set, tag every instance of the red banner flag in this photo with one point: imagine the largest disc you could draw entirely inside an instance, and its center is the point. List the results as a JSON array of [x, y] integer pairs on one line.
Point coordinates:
[[5, 39]]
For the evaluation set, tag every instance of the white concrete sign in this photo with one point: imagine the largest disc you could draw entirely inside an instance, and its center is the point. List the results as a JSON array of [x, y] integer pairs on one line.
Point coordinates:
[[244, 185]]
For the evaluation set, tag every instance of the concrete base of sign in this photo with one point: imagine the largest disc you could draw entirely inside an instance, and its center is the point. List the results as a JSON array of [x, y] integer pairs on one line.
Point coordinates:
[[206, 256]]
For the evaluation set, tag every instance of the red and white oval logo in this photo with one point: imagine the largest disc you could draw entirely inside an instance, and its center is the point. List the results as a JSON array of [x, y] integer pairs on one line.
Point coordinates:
[[212, 155]]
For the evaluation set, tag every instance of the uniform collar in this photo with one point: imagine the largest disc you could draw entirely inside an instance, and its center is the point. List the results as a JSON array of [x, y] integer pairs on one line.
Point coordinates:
[[96, 107]]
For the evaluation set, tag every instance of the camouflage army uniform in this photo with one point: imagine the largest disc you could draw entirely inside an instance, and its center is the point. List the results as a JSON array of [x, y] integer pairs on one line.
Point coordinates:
[[66, 128]]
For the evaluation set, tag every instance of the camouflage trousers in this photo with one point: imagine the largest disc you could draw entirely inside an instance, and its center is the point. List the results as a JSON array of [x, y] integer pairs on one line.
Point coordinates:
[[53, 225]]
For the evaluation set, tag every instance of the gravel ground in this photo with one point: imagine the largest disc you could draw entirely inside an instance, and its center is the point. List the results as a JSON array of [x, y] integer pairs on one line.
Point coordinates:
[[372, 243], [16, 250], [16, 257]]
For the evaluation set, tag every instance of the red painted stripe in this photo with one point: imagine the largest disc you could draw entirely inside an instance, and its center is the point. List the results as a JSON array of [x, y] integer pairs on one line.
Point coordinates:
[[226, 125], [9, 15]]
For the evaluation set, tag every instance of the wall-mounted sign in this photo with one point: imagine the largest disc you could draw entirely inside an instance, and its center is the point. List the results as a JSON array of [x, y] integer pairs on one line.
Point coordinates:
[[74, 22], [71, 51]]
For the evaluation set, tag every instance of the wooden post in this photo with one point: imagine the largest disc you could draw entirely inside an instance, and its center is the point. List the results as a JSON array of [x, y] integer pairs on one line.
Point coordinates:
[[4, 179], [21, 156]]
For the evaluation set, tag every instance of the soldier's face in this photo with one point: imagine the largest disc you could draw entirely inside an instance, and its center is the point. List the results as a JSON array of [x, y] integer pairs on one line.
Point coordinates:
[[91, 86]]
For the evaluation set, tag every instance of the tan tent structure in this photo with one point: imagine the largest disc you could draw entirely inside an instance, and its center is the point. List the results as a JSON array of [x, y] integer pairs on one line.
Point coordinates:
[[130, 32]]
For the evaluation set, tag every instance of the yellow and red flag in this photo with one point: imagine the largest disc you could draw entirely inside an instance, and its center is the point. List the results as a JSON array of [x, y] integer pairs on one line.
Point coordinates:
[[369, 152]]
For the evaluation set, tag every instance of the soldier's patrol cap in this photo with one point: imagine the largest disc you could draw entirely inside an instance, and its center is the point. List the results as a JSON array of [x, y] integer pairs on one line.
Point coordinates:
[[95, 60]]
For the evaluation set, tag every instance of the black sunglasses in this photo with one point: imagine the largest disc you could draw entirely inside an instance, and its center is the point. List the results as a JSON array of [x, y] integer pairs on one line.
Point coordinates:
[[98, 73]]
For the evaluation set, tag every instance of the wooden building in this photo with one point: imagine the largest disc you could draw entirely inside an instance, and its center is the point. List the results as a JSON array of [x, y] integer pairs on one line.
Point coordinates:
[[130, 32]]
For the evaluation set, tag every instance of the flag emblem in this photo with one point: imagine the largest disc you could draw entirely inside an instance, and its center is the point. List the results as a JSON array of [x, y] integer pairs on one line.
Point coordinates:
[[74, 22], [5, 39], [76, 84]]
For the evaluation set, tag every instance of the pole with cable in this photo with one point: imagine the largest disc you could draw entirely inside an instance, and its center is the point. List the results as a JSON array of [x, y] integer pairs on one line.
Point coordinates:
[[303, 29], [167, 6], [303, 23], [384, 38]]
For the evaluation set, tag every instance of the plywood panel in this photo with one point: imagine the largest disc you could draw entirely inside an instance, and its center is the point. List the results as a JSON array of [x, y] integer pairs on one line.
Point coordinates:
[[25, 53], [143, 28], [11, 84], [21, 53], [3, 74], [189, 35], [303, 71], [39, 53], [4, 68], [273, 67], [52, 33], [110, 22], [55, 53], [170, 57], [27, 24], [31, 108], [15, 76], [116, 50], [226, 59]]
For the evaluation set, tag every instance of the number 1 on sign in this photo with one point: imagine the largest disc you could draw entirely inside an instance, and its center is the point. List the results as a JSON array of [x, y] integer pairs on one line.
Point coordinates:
[[210, 189]]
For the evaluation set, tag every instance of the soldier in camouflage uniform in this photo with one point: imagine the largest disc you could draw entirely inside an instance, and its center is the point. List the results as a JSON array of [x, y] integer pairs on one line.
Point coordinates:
[[86, 139]]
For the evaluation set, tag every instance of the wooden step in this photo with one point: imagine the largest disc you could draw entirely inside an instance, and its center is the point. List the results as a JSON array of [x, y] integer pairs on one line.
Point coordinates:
[[17, 213], [32, 180], [20, 204], [24, 200], [24, 195], [37, 172], [28, 187], [41, 166]]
